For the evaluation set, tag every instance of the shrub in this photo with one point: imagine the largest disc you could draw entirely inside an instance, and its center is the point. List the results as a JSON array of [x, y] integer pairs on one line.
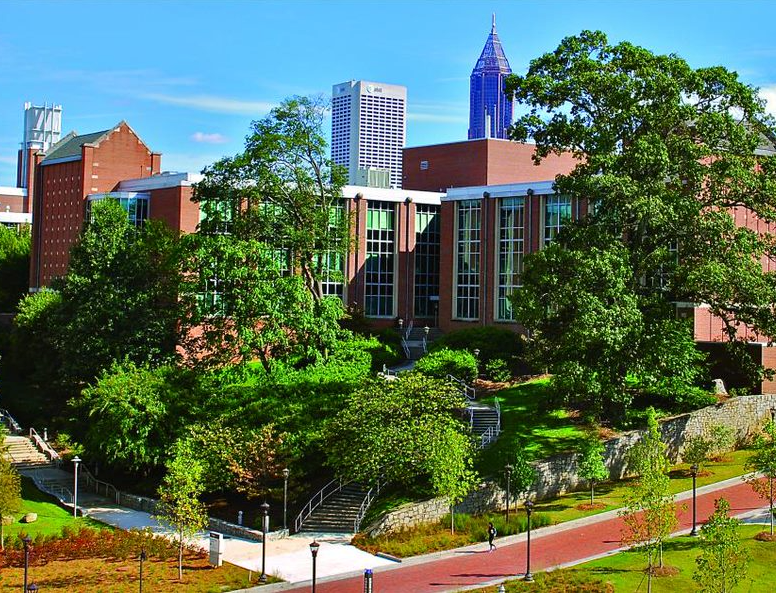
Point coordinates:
[[492, 342], [440, 363], [722, 439], [696, 451], [497, 370]]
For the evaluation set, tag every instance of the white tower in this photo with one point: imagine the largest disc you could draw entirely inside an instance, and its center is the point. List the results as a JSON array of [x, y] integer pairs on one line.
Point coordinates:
[[42, 129], [368, 131]]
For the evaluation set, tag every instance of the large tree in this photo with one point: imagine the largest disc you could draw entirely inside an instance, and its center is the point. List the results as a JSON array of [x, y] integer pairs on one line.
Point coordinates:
[[666, 153], [274, 217], [14, 265]]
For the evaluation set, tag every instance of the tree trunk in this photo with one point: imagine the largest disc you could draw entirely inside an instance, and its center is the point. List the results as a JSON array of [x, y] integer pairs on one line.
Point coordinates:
[[452, 520], [180, 556], [660, 563], [2, 532], [592, 493], [649, 571]]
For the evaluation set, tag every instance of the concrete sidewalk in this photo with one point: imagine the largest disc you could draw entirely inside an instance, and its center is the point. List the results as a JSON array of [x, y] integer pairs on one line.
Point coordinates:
[[557, 546]]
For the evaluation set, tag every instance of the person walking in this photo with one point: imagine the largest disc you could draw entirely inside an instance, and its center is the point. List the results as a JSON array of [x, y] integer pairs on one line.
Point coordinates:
[[491, 537]]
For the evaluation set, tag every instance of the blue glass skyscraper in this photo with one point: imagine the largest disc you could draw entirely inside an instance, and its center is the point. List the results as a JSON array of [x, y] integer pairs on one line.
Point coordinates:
[[490, 110]]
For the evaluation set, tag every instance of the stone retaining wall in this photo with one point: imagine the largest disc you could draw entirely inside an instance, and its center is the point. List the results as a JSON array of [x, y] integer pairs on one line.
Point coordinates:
[[557, 475]]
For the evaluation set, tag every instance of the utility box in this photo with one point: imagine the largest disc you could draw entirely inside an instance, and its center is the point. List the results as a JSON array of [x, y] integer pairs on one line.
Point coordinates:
[[216, 549]]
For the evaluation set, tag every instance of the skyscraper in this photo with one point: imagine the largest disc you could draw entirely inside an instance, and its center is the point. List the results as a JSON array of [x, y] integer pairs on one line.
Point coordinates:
[[368, 131], [490, 110]]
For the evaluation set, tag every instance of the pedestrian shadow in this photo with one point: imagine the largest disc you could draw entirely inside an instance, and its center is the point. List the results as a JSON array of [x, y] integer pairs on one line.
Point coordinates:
[[482, 575], [470, 552]]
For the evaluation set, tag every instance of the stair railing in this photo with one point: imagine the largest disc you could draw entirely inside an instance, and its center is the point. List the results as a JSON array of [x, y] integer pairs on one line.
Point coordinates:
[[13, 425], [317, 500], [468, 391], [53, 488], [44, 447], [405, 347], [389, 372], [425, 345], [408, 330], [365, 504], [98, 486]]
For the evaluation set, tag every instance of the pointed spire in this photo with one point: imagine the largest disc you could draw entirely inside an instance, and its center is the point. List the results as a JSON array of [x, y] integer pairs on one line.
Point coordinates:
[[493, 28]]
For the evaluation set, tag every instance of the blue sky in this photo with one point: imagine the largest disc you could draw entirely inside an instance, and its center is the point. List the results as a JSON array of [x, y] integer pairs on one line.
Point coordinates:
[[190, 76]]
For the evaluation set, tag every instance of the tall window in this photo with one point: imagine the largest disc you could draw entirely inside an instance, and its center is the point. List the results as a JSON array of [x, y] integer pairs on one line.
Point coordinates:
[[511, 230], [333, 281], [136, 206], [557, 213], [380, 259], [467, 295], [427, 238]]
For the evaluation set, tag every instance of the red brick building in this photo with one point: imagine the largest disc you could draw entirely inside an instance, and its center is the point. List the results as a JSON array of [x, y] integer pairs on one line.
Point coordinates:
[[439, 167]]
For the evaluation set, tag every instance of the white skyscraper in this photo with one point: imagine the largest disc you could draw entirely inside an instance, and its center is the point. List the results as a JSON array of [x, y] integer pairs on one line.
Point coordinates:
[[368, 131]]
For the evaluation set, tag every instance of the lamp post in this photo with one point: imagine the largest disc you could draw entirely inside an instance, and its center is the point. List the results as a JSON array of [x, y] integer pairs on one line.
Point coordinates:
[[314, 551], [528, 510], [264, 529], [33, 588], [285, 496], [142, 558], [76, 461], [26, 540], [502, 588], [368, 581], [773, 414], [694, 472], [508, 472]]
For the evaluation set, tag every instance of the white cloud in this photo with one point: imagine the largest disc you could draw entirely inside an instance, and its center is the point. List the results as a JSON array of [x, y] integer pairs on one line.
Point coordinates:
[[186, 162], [206, 138], [769, 94], [214, 104]]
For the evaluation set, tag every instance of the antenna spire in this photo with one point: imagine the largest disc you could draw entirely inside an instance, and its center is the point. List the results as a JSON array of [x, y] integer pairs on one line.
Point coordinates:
[[493, 28]]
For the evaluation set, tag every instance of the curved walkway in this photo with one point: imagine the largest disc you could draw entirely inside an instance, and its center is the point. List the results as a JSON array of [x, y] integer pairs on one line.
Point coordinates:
[[551, 547]]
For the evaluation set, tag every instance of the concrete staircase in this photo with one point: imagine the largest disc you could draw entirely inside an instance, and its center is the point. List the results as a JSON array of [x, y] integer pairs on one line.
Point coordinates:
[[414, 340], [338, 512], [24, 455], [483, 417]]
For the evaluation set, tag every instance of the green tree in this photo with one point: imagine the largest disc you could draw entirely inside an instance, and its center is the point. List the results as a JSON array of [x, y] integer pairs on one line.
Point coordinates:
[[591, 464], [179, 492], [275, 216], [451, 468], [10, 488], [399, 429], [14, 266], [696, 451], [523, 474], [723, 561], [762, 462], [665, 152], [133, 413], [257, 460], [650, 511], [35, 342]]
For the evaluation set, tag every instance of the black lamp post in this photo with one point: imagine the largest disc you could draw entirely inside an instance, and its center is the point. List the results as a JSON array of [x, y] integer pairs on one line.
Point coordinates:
[[264, 529], [773, 414], [286, 472], [368, 581], [142, 559], [694, 472], [508, 472], [528, 510], [314, 551], [26, 540]]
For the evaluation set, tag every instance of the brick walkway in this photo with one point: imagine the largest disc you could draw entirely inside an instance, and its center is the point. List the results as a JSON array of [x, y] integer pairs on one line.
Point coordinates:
[[550, 547]]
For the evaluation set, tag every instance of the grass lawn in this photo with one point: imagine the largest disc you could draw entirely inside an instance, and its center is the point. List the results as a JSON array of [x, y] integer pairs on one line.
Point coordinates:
[[101, 575], [51, 517], [544, 432], [625, 571]]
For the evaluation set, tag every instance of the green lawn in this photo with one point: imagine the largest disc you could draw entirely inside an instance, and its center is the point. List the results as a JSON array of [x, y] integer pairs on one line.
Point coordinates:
[[51, 517], [625, 571], [524, 416]]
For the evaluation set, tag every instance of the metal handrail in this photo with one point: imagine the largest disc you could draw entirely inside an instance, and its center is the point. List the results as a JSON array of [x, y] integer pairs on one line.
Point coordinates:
[[425, 345], [92, 482], [468, 391], [389, 372], [13, 424], [405, 347], [317, 500], [408, 330], [365, 504], [44, 447]]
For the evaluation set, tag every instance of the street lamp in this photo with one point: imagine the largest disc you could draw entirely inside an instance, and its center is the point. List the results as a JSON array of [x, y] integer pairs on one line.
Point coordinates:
[[314, 551], [26, 540], [285, 496], [502, 588], [368, 581], [264, 529], [694, 472], [32, 588], [76, 461], [528, 510], [508, 472], [142, 558]]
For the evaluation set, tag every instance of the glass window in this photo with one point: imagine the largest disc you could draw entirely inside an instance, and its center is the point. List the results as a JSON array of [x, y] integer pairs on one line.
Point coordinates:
[[135, 206], [380, 259], [557, 213], [333, 277], [511, 231], [427, 240], [467, 292]]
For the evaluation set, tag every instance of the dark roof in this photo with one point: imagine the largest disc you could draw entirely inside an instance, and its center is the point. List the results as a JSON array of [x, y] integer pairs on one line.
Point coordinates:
[[70, 145]]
